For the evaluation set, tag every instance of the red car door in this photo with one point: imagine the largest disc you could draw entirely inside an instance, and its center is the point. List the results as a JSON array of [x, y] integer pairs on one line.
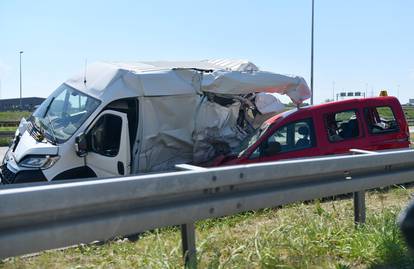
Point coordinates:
[[293, 139], [385, 126], [342, 128]]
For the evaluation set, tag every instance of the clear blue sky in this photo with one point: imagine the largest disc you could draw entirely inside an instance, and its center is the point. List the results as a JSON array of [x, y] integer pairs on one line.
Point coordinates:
[[358, 44]]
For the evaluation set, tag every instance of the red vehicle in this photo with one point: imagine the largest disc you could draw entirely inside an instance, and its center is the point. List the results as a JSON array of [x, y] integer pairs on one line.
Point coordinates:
[[331, 128]]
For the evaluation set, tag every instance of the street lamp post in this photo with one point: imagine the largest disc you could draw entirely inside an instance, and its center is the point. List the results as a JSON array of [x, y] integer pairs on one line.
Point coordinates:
[[21, 107], [311, 75]]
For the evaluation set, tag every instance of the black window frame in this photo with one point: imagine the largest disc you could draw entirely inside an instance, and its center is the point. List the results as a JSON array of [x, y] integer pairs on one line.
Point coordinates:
[[89, 136], [388, 131], [358, 118]]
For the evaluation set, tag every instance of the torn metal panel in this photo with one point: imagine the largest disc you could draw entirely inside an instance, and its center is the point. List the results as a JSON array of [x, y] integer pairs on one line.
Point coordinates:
[[223, 82]]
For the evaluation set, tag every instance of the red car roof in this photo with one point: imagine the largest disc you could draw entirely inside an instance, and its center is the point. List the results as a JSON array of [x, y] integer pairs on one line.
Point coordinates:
[[351, 101], [333, 104]]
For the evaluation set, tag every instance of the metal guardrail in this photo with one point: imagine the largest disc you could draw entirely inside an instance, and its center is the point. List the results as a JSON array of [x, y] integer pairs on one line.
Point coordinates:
[[7, 134], [9, 123], [47, 216]]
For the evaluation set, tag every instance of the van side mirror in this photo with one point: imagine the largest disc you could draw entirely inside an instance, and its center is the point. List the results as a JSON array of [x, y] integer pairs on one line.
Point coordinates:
[[81, 145]]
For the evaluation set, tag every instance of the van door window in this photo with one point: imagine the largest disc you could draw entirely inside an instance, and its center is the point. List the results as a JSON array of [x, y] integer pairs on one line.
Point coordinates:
[[290, 137], [342, 125], [380, 119], [105, 136]]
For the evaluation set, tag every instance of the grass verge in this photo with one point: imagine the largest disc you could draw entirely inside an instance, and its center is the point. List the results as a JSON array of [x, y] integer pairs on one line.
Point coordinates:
[[5, 141], [14, 115], [409, 112], [8, 128], [10, 116], [313, 235]]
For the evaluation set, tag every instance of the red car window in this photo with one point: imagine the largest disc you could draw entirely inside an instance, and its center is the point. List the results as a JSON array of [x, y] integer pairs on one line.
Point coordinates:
[[342, 125], [290, 137], [380, 120]]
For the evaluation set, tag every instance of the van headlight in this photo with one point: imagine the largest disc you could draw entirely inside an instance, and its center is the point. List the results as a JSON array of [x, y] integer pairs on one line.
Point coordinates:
[[39, 161]]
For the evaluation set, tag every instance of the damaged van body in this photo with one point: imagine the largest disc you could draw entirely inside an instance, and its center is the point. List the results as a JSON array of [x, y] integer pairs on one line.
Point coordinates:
[[128, 118]]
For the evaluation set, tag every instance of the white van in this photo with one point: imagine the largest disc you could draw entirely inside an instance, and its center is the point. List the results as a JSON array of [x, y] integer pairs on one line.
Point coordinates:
[[120, 118]]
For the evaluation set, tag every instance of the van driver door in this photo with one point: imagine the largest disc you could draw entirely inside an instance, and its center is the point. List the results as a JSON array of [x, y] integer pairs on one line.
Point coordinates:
[[108, 145]]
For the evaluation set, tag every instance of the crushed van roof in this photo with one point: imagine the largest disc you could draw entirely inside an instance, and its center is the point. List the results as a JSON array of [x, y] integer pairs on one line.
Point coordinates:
[[109, 81], [213, 64]]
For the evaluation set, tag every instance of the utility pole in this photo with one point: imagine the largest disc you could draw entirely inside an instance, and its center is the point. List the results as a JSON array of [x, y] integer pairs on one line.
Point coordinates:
[[311, 101], [21, 105]]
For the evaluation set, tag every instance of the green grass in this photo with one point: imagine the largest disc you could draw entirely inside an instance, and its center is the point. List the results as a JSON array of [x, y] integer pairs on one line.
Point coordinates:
[[4, 141], [313, 235], [14, 115], [8, 128], [387, 113], [409, 112], [11, 116]]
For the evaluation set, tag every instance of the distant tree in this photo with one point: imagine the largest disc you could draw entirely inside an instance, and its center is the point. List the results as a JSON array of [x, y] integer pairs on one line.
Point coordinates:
[[290, 104]]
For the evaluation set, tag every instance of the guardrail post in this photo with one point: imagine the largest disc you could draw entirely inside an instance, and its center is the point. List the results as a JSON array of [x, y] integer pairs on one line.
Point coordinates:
[[188, 243], [359, 196], [359, 207]]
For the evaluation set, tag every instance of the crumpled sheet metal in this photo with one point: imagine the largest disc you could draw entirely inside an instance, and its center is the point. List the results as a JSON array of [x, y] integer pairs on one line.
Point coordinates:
[[268, 103], [222, 82], [215, 130], [167, 128]]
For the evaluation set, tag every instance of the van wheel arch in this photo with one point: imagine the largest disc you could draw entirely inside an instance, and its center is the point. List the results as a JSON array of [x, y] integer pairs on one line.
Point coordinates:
[[75, 173]]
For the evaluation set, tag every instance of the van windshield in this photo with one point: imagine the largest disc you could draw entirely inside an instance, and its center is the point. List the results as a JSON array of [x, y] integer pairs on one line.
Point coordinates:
[[62, 113]]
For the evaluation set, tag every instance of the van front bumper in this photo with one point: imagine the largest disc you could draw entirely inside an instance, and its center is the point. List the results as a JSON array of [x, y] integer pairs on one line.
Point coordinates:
[[8, 176]]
